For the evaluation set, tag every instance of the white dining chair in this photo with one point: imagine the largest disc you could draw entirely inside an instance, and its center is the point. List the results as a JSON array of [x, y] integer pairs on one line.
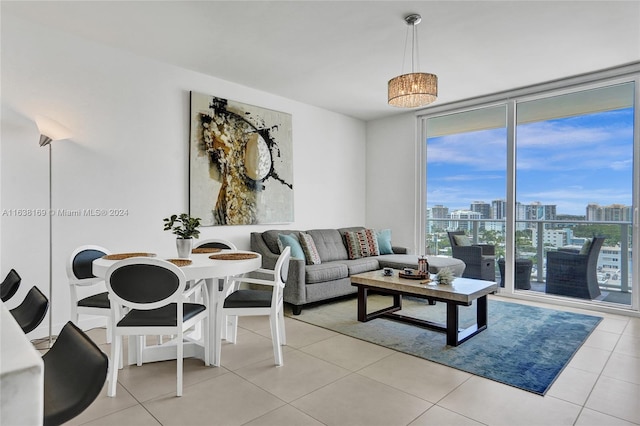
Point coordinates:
[[80, 275], [219, 243], [151, 292], [253, 302]]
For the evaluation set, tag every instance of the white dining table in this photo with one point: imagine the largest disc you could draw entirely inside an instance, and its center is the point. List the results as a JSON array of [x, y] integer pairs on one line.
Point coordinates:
[[202, 267]]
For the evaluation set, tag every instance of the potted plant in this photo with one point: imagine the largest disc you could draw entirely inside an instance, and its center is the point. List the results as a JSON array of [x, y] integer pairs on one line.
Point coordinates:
[[186, 228]]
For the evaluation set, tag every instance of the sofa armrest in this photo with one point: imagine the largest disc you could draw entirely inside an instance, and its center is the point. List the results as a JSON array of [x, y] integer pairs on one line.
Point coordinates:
[[399, 250], [294, 289], [258, 245]]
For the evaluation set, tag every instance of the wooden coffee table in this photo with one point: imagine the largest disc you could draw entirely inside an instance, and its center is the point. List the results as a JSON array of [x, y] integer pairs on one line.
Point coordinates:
[[462, 292]]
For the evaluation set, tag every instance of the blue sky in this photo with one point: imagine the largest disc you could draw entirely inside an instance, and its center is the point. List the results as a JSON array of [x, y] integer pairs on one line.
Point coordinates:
[[569, 162]]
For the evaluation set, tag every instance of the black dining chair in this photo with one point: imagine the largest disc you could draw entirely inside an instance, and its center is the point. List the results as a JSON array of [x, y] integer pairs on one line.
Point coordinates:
[[75, 371], [10, 285], [30, 313]]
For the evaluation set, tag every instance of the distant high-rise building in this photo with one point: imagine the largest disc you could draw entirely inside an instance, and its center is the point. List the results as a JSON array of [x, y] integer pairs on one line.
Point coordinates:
[[611, 213], [498, 209], [482, 208], [461, 219], [439, 212], [540, 212]]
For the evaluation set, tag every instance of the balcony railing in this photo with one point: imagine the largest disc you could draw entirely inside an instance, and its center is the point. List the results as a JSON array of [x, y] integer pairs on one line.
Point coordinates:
[[436, 238]]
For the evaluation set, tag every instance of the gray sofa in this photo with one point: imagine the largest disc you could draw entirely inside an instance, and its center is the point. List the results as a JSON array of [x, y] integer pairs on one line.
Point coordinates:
[[330, 279]]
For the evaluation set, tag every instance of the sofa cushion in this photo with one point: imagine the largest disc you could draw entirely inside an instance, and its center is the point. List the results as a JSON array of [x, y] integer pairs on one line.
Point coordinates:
[[291, 240], [462, 240], [329, 244], [326, 271], [271, 238], [361, 243], [310, 250], [364, 264], [384, 241], [586, 246]]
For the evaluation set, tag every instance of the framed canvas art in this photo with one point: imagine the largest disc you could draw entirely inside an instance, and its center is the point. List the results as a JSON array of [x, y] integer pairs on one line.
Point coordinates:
[[241, 170]]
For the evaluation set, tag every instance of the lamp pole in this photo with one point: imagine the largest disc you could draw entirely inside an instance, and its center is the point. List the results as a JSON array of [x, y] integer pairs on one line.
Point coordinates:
[[50, 130], [50, 253], [46, 141]]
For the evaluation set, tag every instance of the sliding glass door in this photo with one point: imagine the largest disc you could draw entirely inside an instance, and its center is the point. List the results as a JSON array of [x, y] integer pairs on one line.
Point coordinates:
[[574, 185], [549, 176], [466, 177]]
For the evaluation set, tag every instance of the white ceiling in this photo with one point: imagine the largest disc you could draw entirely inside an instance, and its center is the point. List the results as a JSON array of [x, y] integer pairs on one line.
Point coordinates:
[[339, 55]]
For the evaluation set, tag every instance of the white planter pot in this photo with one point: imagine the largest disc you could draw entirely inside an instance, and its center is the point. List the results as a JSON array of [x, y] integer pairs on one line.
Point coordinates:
[[184, 246]]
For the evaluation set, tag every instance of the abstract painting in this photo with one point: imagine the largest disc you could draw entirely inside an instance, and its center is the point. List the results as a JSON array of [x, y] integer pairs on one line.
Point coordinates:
[[241, 164]]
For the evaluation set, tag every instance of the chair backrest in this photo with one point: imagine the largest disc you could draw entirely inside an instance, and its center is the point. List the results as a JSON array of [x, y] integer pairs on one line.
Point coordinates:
[[452, 239], [30, 313], [282, 266], [80, 264], [216, 243], [594, 248], [280, 274], [10, 285], [75, 370], [145, 283]]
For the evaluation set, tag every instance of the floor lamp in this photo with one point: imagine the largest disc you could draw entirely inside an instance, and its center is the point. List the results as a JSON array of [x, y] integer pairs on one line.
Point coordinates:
[[50, 131]]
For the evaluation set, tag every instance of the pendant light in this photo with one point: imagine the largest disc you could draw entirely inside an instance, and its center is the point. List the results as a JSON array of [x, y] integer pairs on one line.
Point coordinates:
[[415, 89]]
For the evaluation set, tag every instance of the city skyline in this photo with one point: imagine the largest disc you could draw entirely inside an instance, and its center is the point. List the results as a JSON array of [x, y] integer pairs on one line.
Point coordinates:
[[568, 162]]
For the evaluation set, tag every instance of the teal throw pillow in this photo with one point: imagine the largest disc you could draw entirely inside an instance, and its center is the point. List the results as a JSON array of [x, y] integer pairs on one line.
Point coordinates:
[[290, 240], [384, 241]]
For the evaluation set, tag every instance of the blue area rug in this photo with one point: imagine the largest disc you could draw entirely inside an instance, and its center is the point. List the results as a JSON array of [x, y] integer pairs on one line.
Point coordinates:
[[523, 346]]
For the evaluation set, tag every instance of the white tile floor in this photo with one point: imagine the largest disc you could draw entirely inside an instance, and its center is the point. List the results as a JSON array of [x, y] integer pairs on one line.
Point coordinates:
[[331, 379]]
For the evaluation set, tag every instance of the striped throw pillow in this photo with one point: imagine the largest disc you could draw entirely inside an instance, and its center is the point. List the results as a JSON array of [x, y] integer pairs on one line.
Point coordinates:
[[311, 255], [361, 243]]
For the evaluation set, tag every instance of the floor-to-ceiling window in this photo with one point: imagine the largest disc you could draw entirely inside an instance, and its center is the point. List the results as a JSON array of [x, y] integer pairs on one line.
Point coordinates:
[[574, 183], [539, 170], [466, 175]]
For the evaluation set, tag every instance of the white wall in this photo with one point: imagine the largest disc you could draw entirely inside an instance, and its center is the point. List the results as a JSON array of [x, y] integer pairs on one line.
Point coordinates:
[[392, 177], [130, 120]]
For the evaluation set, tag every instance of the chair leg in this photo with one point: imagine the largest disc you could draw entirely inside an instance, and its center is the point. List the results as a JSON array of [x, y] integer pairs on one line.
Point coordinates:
[[217, 336], [179, 361], [116, 348], [283, 334], [108, 330], [207, 341], [142, 342], [275, 336], [232, 328]]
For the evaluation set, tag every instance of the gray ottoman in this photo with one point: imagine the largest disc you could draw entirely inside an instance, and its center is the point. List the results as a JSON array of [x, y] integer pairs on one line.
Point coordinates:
[[400, 261]]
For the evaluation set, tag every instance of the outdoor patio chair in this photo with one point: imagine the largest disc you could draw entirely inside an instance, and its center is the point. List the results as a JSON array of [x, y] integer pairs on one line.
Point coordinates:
[[572, 272], [480, 259]]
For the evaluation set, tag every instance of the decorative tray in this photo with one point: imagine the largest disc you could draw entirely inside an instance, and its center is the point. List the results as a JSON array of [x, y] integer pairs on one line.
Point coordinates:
[[233, 256], [206, 250], [180, 262], [121, 256], [414, 276]]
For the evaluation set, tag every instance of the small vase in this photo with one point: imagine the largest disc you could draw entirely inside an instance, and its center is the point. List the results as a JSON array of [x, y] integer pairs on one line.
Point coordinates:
[[184, 246]]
